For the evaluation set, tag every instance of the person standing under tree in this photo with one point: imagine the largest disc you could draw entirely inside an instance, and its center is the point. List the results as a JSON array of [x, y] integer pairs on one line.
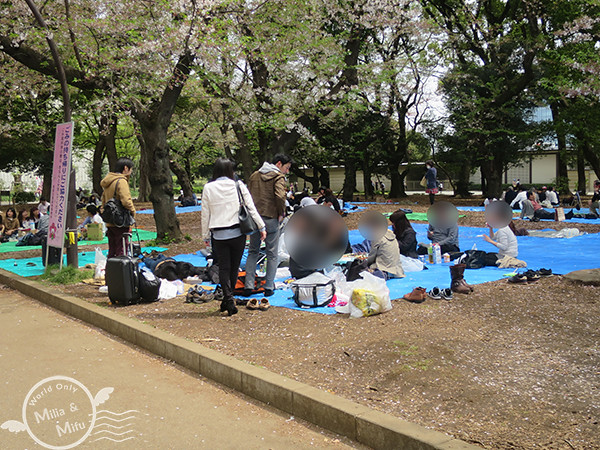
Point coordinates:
[[116, 185], [221, 226], [432, 183], [267, 186]]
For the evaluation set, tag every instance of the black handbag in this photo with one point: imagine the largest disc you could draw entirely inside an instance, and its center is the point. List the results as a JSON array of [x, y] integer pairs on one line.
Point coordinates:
[[247, 223], [114, 212]]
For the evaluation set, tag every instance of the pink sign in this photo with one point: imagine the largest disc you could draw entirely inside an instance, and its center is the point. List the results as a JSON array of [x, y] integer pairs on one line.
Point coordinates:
[[61, 170]]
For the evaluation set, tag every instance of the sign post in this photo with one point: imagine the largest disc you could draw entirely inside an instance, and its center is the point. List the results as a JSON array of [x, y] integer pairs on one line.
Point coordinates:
[[61, 172]]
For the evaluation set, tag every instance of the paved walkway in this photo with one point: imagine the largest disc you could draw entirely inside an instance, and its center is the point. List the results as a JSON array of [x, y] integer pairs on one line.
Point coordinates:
[[153, 404]]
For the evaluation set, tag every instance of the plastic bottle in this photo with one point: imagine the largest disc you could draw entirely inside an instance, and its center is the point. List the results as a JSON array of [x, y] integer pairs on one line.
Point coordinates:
[[430, 254], [437, 254]]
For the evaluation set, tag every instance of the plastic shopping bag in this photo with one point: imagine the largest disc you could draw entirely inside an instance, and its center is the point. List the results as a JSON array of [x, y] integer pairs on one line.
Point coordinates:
[[370, 295], [100, 262]]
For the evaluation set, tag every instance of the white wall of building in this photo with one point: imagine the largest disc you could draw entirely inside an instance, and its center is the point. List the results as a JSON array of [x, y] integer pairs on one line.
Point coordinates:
[[543, 169]]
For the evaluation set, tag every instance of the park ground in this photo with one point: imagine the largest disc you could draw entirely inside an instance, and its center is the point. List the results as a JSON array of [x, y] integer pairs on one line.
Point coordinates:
[[154, 404], [505, 367]]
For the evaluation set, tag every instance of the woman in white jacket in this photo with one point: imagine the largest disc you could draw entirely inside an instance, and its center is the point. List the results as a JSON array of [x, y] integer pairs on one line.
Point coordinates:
[[220, 206]]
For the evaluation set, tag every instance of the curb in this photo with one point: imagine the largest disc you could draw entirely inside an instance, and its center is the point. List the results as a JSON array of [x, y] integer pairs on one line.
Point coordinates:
[[357, 422]]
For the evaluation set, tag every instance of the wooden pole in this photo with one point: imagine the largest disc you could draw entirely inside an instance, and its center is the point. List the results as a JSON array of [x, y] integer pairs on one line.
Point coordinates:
[[72, 258]]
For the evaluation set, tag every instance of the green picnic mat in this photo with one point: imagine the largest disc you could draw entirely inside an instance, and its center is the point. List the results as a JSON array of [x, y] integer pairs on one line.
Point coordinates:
[[416, 216], [12, 246], [31, 267]]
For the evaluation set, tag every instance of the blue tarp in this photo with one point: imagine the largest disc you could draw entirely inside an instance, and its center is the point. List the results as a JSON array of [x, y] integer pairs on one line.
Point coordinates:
[[178, 210], [517, 212], [560, 255]]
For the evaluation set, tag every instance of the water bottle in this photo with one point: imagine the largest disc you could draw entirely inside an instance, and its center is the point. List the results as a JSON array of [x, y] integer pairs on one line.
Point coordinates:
[[437, 254]]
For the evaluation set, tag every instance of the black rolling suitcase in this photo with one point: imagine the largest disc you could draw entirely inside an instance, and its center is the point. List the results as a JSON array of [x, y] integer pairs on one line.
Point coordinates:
[[122, 276]]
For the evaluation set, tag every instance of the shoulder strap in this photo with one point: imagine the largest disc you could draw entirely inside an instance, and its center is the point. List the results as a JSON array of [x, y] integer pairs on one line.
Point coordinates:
[[239, 192], [116, 186]]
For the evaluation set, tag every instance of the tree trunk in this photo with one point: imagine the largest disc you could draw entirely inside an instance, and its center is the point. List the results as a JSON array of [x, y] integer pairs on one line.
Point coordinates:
[[47, 183], [349, 180], [243, 154], [562, 173], [97, 160], [592, 158], [463, 181], [396, 181], [367, 174], [154, 124], [323, 175], [109, 141], [491, 172], [581, 184], [183, 178], [313, 180], [144, 189], [159, 177]]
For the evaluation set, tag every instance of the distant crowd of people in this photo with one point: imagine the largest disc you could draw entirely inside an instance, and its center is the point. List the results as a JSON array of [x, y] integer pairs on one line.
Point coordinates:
[[26, 221]]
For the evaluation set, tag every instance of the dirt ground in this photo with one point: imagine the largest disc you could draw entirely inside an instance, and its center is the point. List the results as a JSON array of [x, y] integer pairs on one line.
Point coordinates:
[[509, 366]]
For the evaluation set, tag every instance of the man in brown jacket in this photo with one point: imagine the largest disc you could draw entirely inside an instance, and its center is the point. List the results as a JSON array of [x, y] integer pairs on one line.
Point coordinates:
[[267, 186], [116, 184]]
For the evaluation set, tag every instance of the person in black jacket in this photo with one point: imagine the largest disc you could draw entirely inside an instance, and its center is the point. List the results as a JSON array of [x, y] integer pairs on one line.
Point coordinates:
[[405, 234]]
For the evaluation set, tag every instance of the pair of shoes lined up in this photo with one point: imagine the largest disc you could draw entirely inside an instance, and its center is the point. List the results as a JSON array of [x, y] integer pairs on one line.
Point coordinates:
[[457, 285], [530, 276], [198, 294], [254, 304]]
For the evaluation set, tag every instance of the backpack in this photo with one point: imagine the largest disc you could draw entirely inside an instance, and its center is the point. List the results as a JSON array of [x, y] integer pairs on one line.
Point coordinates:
[[188, 201], [259, 284], [114, 212]]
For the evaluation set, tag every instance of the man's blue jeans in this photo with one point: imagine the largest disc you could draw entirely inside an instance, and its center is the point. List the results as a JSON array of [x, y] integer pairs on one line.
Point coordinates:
[[272, 251]]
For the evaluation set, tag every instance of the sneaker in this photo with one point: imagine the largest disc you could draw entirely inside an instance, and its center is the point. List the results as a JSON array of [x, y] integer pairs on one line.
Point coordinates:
[[518, 278], [447, 294], [264, 304], [252, 304], [418, 295], [435, 293], [532, 275], [545, 272]]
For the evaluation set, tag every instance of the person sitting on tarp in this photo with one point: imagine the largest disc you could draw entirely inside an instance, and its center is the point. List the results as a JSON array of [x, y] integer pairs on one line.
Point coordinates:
[[532, 210], [505, 240], [446, 237], [93, 217], [517, 201], [11, 223], [405, 234], [384, 257]]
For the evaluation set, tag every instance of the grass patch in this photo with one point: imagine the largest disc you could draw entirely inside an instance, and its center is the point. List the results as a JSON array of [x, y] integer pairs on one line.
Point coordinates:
[[406, 349], [66, 275]]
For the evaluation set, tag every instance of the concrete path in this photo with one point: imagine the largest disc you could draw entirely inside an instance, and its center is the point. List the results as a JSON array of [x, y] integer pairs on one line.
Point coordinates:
[[153, 404]]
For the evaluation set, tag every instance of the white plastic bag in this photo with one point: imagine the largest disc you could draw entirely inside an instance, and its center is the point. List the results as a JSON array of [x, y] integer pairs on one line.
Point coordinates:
[[370, 295], [100, 262], [170, 289], [410, 264]]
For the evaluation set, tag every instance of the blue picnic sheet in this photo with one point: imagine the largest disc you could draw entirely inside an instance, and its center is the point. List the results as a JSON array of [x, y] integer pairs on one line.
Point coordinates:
[[516, 213], [178, 210], [560, 255]]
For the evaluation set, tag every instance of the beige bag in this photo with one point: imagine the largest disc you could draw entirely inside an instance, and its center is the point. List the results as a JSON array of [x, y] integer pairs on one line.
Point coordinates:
[[423, 182]]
